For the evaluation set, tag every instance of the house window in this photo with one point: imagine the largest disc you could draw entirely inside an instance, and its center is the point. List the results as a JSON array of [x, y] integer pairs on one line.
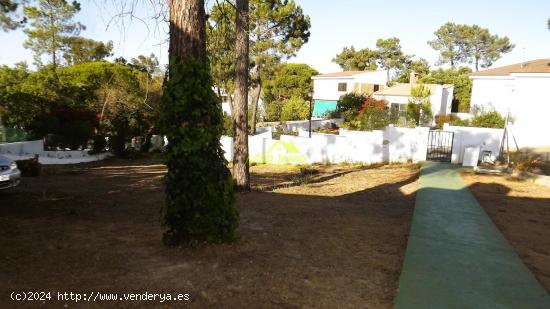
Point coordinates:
[[342, 86], [376, 88]]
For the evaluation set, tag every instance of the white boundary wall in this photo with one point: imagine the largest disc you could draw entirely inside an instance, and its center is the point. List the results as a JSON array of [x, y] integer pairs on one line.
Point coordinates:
[[390, 145], [488, 139], [27, 150]]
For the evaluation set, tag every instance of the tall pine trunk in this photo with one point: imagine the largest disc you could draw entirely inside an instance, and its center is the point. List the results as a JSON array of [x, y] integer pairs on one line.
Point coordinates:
[[241, 173], [200, 201], [255, 101]]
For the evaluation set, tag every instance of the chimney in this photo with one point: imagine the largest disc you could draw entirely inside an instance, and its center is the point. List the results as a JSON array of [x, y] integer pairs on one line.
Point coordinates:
[[412, 78]]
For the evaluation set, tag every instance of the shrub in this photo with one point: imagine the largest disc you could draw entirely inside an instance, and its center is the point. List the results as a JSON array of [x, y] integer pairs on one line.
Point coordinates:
[[227, 125], [294, 109], [373, 119], [419, 108], [419, 114], [66, 128], [120, 135], [30, 167], [350, 102], [490, 119], [273, 111], [99, 144], [450, 119], [525, 160]]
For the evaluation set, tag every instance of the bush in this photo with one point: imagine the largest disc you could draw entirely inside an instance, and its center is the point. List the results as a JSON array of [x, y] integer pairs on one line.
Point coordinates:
[[450, 119], [30, 167], [66, 128], [227, 125], [373, 115], [99, 144], [491, 119], [273, 111], [294, 109], [350, 102]]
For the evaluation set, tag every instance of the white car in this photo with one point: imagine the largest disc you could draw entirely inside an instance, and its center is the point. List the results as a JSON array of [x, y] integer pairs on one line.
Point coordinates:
[[10, 176]]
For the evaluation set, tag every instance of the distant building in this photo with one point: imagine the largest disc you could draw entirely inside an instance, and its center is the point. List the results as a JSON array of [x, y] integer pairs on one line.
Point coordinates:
[[522, 89], [328, 88], [398, 96]]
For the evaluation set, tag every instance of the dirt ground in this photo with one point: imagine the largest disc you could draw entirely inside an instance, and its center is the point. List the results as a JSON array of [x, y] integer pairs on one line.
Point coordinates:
[[326, 236], [521, 210]]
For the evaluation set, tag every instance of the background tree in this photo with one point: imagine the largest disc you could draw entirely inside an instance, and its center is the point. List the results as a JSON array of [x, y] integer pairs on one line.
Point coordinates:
[[289, 82], [51, 26], [79, 50], [458, 43], [449, 42], [241, 172], [419, 108], [200, 201], [278, 29], [459, 77], [361, 60], [46, 103], [420, 67], [221, 36], [148, 64], [8, 15], [390, 55], [482, 48]]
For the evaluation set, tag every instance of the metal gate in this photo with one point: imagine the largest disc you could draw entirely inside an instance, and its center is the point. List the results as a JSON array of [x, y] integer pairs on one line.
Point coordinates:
[[440, 146]]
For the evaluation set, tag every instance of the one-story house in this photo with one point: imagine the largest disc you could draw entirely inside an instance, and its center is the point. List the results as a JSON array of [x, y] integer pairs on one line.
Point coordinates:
[[523, 90], [398, 96], [328, 88]]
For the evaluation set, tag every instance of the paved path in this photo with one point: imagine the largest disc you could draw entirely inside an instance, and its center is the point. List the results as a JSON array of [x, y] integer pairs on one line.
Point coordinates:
[[456, 257]]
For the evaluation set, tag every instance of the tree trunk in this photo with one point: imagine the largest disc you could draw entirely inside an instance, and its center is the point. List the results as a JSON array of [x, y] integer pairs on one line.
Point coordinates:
[[241, 173], [477, 64], [255, 100], [199, 192], [231, 104], [187, 31]]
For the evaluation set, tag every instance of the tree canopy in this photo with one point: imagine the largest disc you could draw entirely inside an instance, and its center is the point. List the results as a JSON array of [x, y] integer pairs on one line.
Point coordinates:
[[51, 27], [459, 44], [357, 60], [459, 77], [388, 55], [77, 49], [288, 90], [9, 16]]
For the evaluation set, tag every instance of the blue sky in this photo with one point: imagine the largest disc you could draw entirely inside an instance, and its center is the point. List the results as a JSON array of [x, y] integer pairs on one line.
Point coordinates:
[[336, 24]]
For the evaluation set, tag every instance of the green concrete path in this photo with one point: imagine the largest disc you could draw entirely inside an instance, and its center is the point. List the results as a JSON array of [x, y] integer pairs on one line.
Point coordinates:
[[456, 257]]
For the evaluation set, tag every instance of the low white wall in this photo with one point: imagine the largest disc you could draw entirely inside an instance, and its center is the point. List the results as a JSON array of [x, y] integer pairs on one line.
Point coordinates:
[[488, 139], [27, 150], [390, 145], [302, 124], [23, 148]]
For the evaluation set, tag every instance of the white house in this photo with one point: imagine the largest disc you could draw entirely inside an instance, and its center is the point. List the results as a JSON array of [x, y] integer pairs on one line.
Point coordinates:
[[522, 89], [441, 96], [327, 88]]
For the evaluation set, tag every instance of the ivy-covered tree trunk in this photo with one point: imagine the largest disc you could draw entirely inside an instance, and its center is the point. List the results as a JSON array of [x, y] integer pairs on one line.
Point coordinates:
[[200, 201], [240, 109]]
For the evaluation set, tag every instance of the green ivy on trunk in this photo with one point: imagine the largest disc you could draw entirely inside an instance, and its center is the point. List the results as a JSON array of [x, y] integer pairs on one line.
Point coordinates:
[[200, 200]]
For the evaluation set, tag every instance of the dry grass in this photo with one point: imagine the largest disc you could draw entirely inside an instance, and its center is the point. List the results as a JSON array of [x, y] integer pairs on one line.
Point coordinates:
[[335, 240]]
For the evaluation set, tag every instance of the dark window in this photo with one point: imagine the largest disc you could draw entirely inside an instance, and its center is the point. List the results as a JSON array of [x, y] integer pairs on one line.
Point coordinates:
[[342, 86], [376, 88]]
